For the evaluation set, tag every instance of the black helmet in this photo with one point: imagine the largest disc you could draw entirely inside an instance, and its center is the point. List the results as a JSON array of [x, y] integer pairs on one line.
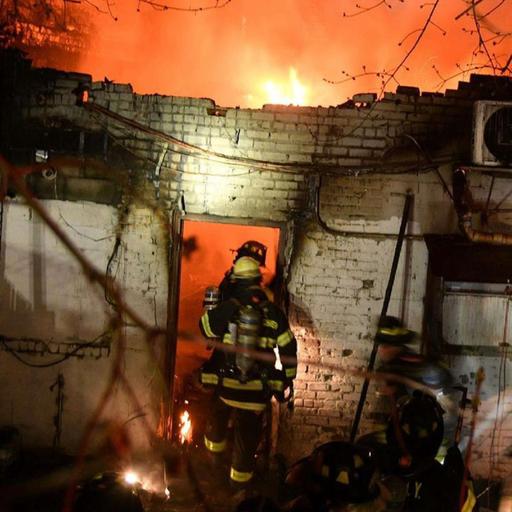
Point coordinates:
[[392, 332], [346, 471], [419, 423], [254, 250]]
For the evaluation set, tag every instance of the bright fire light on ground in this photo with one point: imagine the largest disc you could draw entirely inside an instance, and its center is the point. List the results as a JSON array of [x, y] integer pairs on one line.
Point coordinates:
[[131, 478], [291, 93], [185, 428]]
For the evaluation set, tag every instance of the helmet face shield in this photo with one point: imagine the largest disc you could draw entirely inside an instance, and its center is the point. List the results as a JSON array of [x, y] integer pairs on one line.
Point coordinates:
[[246, 268]]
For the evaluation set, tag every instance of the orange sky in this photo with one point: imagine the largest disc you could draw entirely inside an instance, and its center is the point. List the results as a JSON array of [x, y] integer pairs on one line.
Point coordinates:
[[228, 54]]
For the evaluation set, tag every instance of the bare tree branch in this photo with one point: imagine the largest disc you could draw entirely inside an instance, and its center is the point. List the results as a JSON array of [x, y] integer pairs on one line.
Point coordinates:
[[481, 43], [465, 11], [166, 7], [364, 10]]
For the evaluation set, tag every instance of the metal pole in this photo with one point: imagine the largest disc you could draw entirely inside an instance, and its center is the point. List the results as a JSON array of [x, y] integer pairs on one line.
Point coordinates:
[[172, 316], [398, 248]]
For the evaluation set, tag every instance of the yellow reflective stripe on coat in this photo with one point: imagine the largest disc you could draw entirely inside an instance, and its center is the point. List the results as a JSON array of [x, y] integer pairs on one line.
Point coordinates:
[[251, 385], [470, 502], [291, 372], [270, 323], [213, 446], [205, 322], [285, 338], [240, 476], [209, 378], [266, 342], [246, 406], [276, 385], [227, 339]]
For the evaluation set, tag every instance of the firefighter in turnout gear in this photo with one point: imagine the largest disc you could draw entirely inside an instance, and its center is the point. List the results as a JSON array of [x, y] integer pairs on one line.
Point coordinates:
[[418, 430], [397, 358], [244, 383], [408, 449]]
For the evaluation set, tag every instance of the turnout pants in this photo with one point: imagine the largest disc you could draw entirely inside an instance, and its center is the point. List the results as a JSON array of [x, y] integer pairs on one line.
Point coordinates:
[[247, 426]]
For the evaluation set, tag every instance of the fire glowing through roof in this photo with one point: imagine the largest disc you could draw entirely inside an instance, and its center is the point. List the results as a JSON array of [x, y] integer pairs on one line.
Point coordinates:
[[291, 93], [316, 52]]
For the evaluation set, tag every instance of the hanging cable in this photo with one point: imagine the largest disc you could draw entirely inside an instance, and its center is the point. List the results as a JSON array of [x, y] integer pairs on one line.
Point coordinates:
[[121, 223], [108, 271], [90, 344]]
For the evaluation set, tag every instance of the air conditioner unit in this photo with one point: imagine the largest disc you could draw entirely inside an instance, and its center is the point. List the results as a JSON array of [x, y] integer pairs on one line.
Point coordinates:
[[492, 133]]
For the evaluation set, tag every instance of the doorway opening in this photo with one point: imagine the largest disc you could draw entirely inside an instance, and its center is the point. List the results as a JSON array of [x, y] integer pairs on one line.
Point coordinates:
[[208, 250]]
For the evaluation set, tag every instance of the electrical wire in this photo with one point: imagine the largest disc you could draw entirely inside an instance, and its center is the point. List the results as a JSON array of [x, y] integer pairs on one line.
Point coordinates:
[[94, 343], [108, 129], [293, 167], [194, 151], [108, 271], [79, 233]]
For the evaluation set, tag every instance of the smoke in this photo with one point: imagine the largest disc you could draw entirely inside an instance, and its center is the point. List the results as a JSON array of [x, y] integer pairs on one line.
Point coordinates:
[[227, 54]]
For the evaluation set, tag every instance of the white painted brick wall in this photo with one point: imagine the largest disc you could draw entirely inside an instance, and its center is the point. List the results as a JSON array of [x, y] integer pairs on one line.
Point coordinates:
[[71, 308]]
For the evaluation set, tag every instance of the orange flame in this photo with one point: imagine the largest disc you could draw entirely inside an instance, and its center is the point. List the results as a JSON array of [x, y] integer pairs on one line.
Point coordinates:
[[185, 428], [292, 93]]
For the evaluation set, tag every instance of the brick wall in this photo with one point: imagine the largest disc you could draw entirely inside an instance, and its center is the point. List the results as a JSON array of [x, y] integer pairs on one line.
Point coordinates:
[[262, 164]]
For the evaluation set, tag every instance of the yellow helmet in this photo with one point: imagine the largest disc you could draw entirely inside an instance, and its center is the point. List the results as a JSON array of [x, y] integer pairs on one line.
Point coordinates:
[[246, 268]]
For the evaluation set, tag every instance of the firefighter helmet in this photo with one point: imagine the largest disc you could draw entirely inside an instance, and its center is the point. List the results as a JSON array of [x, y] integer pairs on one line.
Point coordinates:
[[246, 268], [391, 331], [347, 472], [254, 250], [419, 423]]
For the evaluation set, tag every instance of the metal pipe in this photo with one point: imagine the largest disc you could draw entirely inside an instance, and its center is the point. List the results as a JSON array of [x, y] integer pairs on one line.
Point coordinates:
[[387, 297], [463, 202]]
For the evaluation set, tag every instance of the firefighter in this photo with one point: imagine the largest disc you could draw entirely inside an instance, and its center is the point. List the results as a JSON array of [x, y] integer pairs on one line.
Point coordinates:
[[337, 476], [398, 358], [413, 437], [252, 249], [244, 383]]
